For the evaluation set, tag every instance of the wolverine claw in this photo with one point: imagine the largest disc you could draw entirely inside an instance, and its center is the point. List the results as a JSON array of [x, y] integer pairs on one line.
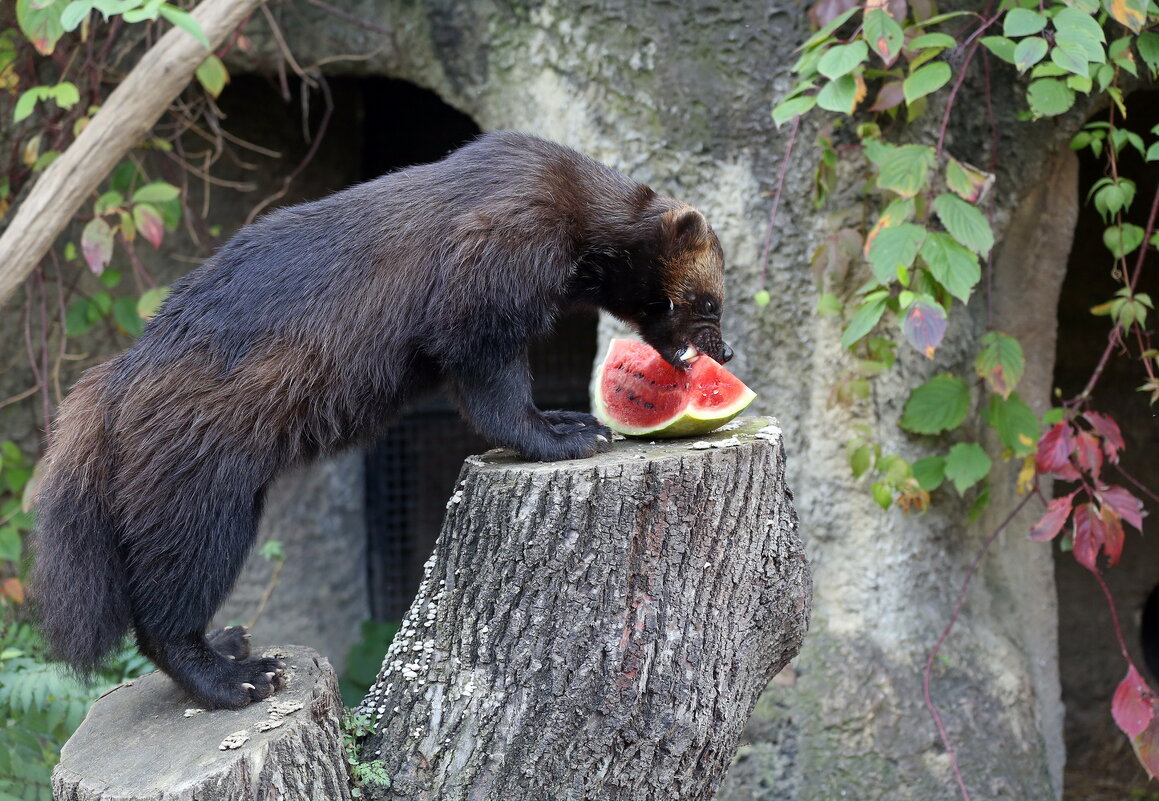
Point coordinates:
[[247, 686]]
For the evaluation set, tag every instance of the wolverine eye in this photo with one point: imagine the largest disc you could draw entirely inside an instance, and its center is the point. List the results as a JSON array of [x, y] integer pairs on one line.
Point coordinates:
[[708, 306]]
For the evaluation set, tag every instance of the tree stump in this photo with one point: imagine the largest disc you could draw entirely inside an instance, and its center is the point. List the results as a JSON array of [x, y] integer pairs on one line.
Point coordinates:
[[138, 744], [595, 629]]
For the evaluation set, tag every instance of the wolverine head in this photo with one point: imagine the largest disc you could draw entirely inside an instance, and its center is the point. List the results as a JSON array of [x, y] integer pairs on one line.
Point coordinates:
[[681, 319]]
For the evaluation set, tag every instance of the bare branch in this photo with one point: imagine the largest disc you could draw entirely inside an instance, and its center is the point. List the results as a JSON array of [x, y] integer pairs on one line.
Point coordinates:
[[123, 121]]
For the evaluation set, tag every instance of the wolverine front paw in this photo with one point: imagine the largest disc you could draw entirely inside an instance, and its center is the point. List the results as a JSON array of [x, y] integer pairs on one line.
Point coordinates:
[[232, 642], [245, 681], [568, 435], [559, 417]]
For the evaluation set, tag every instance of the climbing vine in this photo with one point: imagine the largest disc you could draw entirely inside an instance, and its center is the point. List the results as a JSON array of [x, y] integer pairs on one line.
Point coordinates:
[[929, 241]]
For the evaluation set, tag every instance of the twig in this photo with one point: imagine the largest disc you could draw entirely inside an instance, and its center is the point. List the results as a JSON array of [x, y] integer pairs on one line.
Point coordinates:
[[346, 15], [323, 124], [958, 604], [777, 197], [271, 585]]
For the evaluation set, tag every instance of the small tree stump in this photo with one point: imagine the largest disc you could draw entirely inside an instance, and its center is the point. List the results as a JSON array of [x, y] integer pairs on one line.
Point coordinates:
[[136, 744], [595, 629]]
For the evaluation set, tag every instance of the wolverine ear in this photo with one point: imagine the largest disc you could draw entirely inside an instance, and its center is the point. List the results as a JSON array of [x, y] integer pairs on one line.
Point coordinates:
[[686, 227]]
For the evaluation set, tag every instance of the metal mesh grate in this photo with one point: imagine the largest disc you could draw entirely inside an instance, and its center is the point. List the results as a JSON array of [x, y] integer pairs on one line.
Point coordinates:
[[411, 472]]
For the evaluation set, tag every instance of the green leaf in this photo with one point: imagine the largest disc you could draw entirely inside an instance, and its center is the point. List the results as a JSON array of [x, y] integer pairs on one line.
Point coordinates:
[[1153, 152], [1122, 239], [865, 318], [77, 321], [926, 40], [926, 80], [126, 317], [156, 192], [1015, 423], [1147, 44], [882, 495], [966, 465], [1049, 97], [964, 222], [828, 305], [1000, 46], [25, 104], [1029, 52], [940, 404], [860, 460], [794, 107], [968, 183], [839, 95], [762, 297], [1022, 22], [955, 267], [1070, 57], [106, 202], [893, 248], [905, 169], [1000, 363], [1073, 25], [930, 472], [883, 34], [212, 75], [39, 21], [185, 21], [150, 301], [842, 59], [10, 544]]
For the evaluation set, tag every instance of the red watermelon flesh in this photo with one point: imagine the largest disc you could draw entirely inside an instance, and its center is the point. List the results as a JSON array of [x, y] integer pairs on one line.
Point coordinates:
[[641, 395]]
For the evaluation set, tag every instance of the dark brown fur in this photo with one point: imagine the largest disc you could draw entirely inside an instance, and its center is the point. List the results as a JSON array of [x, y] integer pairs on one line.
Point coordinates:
[[305, 334]]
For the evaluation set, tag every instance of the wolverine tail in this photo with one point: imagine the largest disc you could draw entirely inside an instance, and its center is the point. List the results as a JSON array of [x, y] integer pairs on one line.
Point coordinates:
[[78, 583]]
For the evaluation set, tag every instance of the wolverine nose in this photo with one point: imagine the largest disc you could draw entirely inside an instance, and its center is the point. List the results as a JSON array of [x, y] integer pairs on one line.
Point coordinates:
[[725, 353]]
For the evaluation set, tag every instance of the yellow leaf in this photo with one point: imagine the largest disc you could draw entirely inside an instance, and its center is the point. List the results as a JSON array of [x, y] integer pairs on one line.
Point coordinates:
[[1026, 474], [1131, 13]]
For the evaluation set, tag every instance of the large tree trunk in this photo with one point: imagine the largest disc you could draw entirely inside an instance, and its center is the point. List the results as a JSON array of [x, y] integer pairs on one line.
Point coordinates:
[[595, 629]]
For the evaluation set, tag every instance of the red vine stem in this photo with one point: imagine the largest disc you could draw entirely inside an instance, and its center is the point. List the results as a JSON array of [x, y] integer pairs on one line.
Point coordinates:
[[777, 198], [1113, 338], [972, 43], [958, 604], [1114, 618]]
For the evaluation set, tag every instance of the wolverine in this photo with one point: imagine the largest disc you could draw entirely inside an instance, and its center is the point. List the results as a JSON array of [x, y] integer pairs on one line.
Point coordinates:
[[303, 335]]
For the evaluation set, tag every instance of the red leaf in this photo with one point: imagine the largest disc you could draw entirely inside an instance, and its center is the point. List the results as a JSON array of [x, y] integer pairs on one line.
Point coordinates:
[[1090, 458], [1054, 450], [1088, 536], [889, 95], [148, 222], [1147, 748], [96, 243], [1048, 526], [1108, 429], [1132, 705], [1112, 534], [823, 12], [924, 326], [1126, 505]]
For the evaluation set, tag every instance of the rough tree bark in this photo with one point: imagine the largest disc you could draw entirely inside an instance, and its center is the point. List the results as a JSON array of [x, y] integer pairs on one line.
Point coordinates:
[[139, 743], [123, 121], [595, 629]]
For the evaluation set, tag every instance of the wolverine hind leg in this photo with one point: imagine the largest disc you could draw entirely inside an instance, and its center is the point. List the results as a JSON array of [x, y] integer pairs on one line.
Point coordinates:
[[181, 564]]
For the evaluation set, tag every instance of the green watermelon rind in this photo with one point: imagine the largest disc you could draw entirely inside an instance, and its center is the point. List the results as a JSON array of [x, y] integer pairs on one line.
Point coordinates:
[[688, 423]]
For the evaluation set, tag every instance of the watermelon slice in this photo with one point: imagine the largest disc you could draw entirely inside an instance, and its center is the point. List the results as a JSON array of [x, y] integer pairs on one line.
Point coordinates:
[[641, 395]]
